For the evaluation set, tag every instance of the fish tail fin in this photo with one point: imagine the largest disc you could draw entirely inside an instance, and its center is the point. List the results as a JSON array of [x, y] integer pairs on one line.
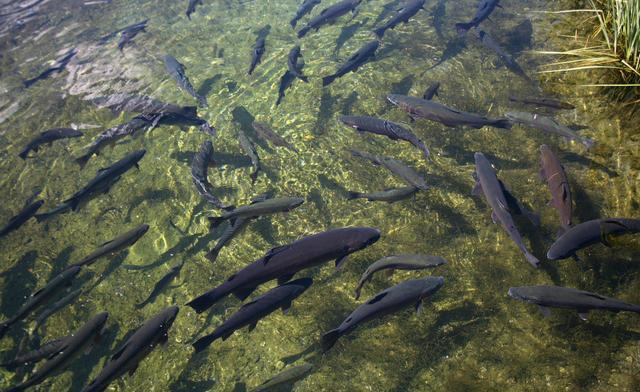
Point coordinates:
[[303, 31], [4, 327], [462, 28], [82, 161], [204, 302], [532, 259], [330, 338], [212, 255], [202, 100], [214, 221], [28, 83], [358, 289], [353, 195], [72, 203], [379, 32], [503, 123], [205, 342], [24, 153], [141, 305], [327, 80], [293, 23]]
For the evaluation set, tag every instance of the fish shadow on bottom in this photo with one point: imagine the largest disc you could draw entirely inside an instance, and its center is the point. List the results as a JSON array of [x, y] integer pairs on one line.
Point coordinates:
[[19, 283], [61, 262], [113, 265], [184, 384], [220, 158], [207, 85], [584, 209]]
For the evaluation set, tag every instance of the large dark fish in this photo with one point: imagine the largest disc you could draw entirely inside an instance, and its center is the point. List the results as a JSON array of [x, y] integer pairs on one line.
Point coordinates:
[[494, 194], [114, 245], [250, 149], [386, 128], [191, 7], [268, 134], [256, 209], [284, 262], [199, 173], [389, 301], [546, 102], [329, 15], [129, 33], [72, 346], [362, 56], [396, 167], [256, 56], [285, 82], [305, 8], [295, 63], [55, 307], [389, 195], [422, 108], [404, 14], [48, 137], [23, 216], [548, 124], [177, 71], [41, 297], [44, 351], [398, 262], [590, 232], [254, 311], [287, 376], [161, 285], [485, 8], [135, 349], [552, 171], [508, 60], [569, 298], [59, 67], [181, 116]]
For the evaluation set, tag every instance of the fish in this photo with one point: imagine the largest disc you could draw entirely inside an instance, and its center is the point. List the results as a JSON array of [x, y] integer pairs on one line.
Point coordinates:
[[72, 346], [254, 311], [404, 14], [431, 91], [177, 72], [129, 355], [24, 215], [44, 351], [114, 245], [399, 262], [199, 173], [485, 8], [305, 8], [283, 262], [396, 167], [256, 209], [48, 137], [181, 116], [388, 301], [389, 195], [438, 14], [286, 80], [548, 124], [287, 376], [295, 63], [161, 285], [422, 108], [453, 48], [55, 307], [359, 58], [258, 51], [329, 15], [546, 102], [129, 33], [588, 233], [552, 171], [191, 7], [101, 183], [569, 298], [494, 193], [386, 128], [40, 297], [266, 133], [508, 60], [250, 149], [59, 67]]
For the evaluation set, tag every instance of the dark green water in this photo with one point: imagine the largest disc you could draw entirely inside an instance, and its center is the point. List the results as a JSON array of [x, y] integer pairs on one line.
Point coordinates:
[[471, 336]]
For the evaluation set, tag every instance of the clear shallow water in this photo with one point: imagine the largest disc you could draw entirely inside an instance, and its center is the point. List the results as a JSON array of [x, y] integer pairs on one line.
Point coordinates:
[[471, 335]]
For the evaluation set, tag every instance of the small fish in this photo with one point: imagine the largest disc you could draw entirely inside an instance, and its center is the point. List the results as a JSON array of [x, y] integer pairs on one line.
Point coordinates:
[[199, 169], [44, 351], [23, 216], [258, 51], [386, 128], [552, 171], [59, 67], [485, 8], [399, 262], [283, 262], [295, 63], [546, 102], [250, 149], [130, 32], [423, 108], [48, 137], [396, 167], [114, 246], [431, 91], [256, 209], [389, 195], [268, 134], [590, 232], [404, 14], [191, 7], [177, 72], [506, 58], [305, 8], [285, 82], [548, 124], [329, 15], [55, 307], [128, 356], [161, 285], [181, 116], [359, 58], [254, 311], [287, 376], [40, 297], [569, 298], [389, 301]]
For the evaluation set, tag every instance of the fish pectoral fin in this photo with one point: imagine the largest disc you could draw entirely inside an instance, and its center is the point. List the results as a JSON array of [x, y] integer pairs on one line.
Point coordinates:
[[477, 189], [164, 339], [121, 350], [272, 252], [252, 326], [242, 294], [286, 307], [494, 217], [419, 307], [285, 278], [340, 261], [583, 315], [106, 243], [388, 272], [133, 369], [545, 311], [377, 298]]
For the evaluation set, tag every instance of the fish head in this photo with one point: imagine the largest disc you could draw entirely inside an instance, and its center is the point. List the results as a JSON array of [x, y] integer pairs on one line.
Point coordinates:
[[136, 156], [168, 317], [71, 271], [395, 99], [431, 285], [518, 116], [300, 285], [349, 121], [142, 229], [98, 322], [524, 293], [295, 202], [362, 238]]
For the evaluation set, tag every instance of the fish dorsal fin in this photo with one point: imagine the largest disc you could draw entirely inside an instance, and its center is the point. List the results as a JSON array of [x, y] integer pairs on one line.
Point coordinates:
[[614, 222], [106, 243], [249, 304], [38, 292], [377, 298], [120, 351], [596, 296], [273, 252]]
